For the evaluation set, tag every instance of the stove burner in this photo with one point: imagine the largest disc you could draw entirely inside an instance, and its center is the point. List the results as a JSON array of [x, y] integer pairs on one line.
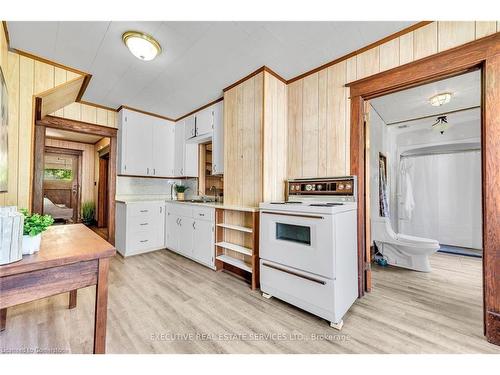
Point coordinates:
[[329, 204]]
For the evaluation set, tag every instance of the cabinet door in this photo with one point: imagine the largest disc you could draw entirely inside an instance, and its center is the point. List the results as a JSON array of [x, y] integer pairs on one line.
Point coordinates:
[[159, 225], [179, 148], [137, 147], [186, 235], [203, 246], [190, 127], [204, 121], [191, 159], [218, 139], [172, 229], [163, 153]]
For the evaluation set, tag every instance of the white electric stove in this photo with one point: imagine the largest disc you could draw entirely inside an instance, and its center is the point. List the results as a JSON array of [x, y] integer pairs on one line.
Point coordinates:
[[308, 246]]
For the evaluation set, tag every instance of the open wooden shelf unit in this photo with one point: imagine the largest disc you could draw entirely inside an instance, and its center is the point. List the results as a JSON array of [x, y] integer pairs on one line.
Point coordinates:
[[237, 243]]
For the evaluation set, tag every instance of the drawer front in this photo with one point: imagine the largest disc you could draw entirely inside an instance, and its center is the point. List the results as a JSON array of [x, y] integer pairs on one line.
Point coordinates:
[[142, 223], [143, 209], [180, 209], [141, 240], [307, 291], [203, 213]]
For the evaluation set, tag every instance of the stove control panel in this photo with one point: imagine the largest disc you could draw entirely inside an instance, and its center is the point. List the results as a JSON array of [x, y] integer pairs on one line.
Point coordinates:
[[322, 186]]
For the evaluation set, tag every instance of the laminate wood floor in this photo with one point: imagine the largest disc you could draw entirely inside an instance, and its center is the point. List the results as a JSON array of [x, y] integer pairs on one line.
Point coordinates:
[[163, 303]]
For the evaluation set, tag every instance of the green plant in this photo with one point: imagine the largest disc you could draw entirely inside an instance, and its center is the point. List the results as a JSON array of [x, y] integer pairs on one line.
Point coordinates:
[[180, 188], [35, 223], [88, 211]]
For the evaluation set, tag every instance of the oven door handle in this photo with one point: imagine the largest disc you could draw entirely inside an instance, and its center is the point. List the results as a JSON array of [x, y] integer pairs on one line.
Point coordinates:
[[295, 274], [294, 215]]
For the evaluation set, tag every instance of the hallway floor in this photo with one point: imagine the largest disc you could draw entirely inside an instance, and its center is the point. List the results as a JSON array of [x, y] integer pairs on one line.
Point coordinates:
[[163, 303]]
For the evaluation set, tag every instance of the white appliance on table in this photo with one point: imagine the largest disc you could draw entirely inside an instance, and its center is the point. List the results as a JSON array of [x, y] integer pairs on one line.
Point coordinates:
[[308, 247]]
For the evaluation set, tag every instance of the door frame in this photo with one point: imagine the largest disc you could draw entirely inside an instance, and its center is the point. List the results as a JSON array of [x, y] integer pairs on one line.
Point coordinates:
[[78, 153], [102, 219], [79, 127], [483, 54]]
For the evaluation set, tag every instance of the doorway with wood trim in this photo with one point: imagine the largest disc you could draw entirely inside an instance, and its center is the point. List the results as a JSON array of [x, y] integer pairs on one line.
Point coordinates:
[[485, 55], [91, 139], [62, 184]]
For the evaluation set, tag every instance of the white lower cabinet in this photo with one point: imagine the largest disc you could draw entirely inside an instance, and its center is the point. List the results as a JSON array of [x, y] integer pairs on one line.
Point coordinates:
[[140, 227], [190, 231]]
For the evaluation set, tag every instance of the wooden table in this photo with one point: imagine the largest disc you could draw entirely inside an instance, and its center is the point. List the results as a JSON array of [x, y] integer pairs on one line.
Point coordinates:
[[70, 257]]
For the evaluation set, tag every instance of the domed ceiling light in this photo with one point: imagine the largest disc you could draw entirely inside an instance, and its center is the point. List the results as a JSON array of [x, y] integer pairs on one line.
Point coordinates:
[[141, 45], [440, 99]]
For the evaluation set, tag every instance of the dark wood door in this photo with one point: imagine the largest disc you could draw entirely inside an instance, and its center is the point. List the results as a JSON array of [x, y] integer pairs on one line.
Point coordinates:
[[102, 192]]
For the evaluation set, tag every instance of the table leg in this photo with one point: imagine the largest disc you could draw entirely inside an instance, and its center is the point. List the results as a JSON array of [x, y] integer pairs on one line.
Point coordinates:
[[3, 319], [101, 307], [72, 299]]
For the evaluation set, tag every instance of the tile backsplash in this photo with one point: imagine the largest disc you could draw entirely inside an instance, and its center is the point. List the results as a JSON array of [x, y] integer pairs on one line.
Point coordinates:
[[152, 186]]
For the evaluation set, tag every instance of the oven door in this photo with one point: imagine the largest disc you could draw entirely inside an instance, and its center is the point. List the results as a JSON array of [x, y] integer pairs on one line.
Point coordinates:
[[302, 241]]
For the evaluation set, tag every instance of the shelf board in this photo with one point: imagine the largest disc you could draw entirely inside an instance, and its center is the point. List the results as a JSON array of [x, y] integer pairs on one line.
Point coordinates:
[[236, 227], [234, 262], [234, 247]]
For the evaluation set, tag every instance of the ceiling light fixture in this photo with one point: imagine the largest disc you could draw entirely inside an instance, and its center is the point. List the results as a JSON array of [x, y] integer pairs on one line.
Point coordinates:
[[141, 45], [441, 124], [440, 99]]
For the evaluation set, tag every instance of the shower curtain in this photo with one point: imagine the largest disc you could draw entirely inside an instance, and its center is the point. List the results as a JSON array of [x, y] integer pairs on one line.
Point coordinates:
[[447, 197]]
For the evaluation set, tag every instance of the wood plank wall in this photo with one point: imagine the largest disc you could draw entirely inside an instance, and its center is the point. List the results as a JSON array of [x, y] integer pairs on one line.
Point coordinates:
[[319, 106], [274, 139], [25, 78], [243, 117], [88, 164]]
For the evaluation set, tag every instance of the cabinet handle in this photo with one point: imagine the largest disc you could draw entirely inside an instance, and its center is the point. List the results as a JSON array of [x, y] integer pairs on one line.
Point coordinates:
[[144, 241], [194, 226], [201, 214], [147, 170], [182, 171], [144, 210], [180, 222], [143, 224], [161, 209]]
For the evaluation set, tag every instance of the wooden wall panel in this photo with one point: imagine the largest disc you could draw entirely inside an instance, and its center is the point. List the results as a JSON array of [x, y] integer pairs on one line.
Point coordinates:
[[102, 117], [89, 114], [323, 140], [425, 41], [455, 33], [351, 75], [243, 118], [368, 63], [44, 77], [294, 118], [12, 79], [88, 165], [310, 126], [59, 79], [336, 120], [485, 28], [25, 147], [3, 65], [274, 166], [389, 54], [406, 48]]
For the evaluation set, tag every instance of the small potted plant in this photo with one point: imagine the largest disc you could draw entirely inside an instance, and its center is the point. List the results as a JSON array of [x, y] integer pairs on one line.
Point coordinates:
[[34, 225], [180, 190], [88, 213]]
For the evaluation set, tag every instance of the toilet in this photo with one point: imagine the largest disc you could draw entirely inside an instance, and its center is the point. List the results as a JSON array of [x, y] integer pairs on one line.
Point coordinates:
[[402, 250]]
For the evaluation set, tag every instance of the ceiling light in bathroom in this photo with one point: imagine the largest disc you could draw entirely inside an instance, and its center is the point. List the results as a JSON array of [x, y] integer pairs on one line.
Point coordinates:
[[141, 45], [440, 99]]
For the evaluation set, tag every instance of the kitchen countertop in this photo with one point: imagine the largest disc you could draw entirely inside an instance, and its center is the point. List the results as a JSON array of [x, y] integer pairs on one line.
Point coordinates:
[[151, 198]]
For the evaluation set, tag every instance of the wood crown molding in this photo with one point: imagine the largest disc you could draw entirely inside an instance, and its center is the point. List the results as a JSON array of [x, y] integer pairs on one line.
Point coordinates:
[[144, 112], [84, 102], [47, 61], [201, 108], [6, 32]]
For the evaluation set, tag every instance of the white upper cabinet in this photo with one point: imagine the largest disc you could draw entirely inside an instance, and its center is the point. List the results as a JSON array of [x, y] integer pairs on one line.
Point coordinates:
[[218, 139], [190, 126], [179, 148], [204, 121], [191, 153], [163, 148], [145, 145], [135, 144]]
